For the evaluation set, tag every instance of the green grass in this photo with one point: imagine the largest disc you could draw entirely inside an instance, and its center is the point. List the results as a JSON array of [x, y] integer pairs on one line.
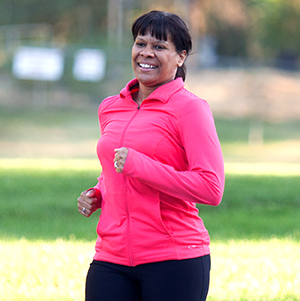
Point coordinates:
[[73, 133], [39, 202], [255, 207], [264, 270], [39, 199], [237, 130], [44, 270]]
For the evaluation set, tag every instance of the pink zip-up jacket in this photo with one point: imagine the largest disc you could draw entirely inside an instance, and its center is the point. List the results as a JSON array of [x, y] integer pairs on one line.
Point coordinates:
[[148, 211]]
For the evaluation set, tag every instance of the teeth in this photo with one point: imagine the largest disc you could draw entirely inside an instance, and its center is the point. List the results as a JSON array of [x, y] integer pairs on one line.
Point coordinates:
[[147, 66]]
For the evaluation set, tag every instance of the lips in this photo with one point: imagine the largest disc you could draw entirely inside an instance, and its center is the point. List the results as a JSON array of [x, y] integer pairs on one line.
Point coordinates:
[[147, 66]]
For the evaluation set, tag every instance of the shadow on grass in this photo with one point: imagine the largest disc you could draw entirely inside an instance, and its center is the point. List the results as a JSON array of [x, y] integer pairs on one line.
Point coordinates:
[[43, 205], [255, 207]]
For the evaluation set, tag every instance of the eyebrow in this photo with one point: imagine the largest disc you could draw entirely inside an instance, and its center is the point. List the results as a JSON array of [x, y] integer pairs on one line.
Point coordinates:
[[157, 41]]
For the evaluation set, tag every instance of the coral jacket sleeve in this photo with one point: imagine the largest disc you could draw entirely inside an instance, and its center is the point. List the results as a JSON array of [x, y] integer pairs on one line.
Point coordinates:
[[203, 181], [97, 189]]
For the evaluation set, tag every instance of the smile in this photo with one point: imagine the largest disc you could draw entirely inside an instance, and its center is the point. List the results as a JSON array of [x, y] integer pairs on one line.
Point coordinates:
[[147, 66]]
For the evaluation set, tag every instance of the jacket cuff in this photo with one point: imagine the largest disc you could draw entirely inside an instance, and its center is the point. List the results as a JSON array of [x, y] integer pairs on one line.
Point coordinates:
[[98, 194]]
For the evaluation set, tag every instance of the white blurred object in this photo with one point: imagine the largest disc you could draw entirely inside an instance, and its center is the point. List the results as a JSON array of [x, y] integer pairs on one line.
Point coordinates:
[[38, 63], [89, 65]]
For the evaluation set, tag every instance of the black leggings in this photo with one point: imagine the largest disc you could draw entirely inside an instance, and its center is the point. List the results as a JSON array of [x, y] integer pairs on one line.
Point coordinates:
[[174, 280]]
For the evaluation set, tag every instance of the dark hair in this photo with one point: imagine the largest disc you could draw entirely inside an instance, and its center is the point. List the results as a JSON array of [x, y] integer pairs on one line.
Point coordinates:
[[160, 25]]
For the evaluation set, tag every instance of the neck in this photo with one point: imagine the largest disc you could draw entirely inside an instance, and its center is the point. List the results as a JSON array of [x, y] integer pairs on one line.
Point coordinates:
[[142, 94]]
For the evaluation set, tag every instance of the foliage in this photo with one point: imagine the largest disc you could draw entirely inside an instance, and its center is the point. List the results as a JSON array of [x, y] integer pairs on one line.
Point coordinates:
[[276, 26], [259, 28]]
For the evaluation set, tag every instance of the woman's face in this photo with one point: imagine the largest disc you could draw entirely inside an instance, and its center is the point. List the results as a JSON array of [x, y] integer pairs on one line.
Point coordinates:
[[155, 62]]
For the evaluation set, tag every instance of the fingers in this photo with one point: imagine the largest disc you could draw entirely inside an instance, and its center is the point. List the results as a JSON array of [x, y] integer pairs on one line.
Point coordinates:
[[120, 158], [83, 207], [87, 203]]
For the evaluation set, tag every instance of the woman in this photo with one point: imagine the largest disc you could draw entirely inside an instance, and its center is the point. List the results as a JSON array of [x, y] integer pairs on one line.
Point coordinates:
[[160, 155]]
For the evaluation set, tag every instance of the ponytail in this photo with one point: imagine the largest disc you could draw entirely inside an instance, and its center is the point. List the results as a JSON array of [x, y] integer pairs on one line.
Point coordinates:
[[181, 72]]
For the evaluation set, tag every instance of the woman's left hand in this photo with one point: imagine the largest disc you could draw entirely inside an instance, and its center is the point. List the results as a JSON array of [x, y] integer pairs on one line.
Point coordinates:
[[120, 158]]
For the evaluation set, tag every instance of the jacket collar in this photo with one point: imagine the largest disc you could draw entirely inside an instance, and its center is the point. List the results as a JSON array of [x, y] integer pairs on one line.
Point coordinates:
[[162, 93]]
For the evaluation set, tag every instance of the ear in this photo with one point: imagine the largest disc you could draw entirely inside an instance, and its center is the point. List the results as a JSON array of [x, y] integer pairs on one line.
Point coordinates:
[[181, 58]]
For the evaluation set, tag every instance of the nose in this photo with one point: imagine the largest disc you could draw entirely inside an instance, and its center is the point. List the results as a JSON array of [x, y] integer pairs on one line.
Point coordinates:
[[147, 51]]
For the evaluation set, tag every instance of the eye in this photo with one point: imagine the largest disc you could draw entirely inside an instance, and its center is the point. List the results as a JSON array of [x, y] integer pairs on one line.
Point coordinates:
[[159, 47], [140, 44]]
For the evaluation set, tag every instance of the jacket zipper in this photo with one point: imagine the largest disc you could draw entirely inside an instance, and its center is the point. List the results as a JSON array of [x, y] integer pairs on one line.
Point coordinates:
[[126, 127], [125, 192]]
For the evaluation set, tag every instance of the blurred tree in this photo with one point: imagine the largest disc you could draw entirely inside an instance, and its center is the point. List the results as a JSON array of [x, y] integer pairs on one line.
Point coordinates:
[[228, 21], [279, 22], [256, 28], [71, 20]]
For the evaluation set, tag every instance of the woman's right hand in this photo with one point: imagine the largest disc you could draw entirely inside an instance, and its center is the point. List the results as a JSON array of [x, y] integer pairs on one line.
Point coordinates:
[[88, 203]]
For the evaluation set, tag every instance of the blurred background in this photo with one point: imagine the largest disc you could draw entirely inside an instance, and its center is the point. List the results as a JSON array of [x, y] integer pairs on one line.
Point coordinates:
[[60, 58], [57, 56]]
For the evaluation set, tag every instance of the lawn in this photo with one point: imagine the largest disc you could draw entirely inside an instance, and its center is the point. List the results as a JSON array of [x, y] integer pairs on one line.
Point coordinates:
[[265, 270], [47, 159]]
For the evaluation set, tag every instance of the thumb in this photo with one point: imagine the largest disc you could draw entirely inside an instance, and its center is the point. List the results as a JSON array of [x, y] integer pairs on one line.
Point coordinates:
[[90, 193]]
